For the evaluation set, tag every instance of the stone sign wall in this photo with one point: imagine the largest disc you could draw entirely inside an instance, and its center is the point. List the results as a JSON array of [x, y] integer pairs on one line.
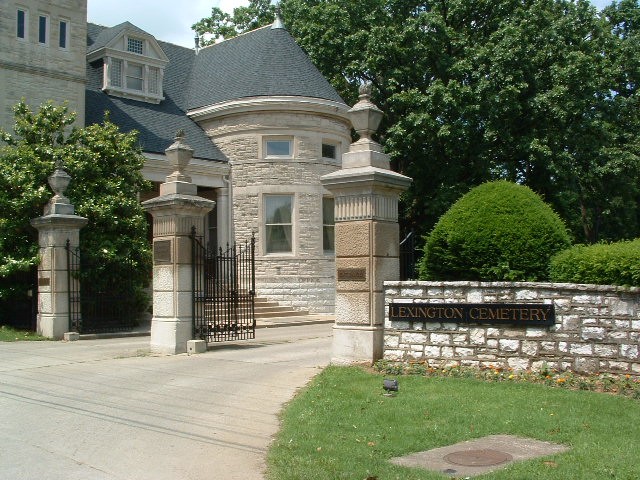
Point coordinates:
[[597, 328]]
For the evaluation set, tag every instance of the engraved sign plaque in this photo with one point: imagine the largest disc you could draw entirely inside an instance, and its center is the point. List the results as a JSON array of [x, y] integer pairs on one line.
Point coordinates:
[[352, 275], [161, 251], [44, 281]]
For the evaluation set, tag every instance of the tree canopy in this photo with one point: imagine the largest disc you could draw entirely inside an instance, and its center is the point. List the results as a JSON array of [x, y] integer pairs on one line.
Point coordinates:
[[105, 166], [539, 92]]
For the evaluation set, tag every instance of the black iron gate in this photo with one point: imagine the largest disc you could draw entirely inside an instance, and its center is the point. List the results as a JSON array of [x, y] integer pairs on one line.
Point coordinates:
[[113, 304], [223, 291], [19, 302]]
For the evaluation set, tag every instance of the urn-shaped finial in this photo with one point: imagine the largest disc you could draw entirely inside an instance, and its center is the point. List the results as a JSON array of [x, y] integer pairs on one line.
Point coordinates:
[[179, 154], [59, 181], [59, 204], [365, 116]]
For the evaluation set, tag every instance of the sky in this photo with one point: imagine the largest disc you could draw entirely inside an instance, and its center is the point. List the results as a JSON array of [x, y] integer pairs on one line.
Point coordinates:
[[171, 20]]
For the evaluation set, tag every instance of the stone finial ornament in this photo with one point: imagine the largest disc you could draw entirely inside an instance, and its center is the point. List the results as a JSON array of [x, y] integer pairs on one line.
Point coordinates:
[[59, 181], [365, 116], [179, 154]]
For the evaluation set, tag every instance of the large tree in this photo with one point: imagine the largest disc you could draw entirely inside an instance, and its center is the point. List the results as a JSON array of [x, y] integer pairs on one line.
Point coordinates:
[[105, 166], [541, 92]]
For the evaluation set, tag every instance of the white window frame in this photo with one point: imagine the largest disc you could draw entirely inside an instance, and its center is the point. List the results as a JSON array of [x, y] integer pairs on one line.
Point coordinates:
[[266, 247], [135, 39], [127, 76], [25, 26], [67, 33], [277, 138], [47, 29]]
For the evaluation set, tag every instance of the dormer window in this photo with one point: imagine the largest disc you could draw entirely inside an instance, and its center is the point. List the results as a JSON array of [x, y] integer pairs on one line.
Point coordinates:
[[134, 45], [135, 78], [133, 64]]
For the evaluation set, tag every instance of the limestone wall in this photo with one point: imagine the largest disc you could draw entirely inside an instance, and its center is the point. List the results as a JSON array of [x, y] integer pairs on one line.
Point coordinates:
[[305, 277], [597, 328], [42, 72]]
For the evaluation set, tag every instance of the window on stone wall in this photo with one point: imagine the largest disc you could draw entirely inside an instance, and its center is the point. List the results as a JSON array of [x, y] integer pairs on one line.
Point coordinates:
[[278, 223], [328, 225], [329, 150], [63, 34], [21, 24], [43, 29], [278, 147]]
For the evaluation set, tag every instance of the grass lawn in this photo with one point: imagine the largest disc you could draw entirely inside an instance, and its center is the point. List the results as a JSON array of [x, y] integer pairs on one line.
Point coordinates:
[[9, 334], [342, 427]]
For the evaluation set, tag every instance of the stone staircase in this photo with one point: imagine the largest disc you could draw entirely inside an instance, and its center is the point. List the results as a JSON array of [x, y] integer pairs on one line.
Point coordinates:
[[265, 308], [271, 314]]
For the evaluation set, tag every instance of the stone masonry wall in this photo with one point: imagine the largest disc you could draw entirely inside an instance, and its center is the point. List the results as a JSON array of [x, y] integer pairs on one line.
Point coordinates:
[[597, 328], [304, 278], [40, 72]]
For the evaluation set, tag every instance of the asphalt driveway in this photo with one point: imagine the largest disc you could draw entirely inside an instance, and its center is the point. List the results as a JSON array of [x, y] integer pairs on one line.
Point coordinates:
[[107, 410]]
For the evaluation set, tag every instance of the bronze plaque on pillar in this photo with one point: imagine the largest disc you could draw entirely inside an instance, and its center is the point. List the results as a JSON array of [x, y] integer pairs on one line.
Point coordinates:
[[352, 275], [162, 252]]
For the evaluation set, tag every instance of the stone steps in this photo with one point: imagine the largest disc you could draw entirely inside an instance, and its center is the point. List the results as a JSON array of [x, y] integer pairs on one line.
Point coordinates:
[[265, 308]]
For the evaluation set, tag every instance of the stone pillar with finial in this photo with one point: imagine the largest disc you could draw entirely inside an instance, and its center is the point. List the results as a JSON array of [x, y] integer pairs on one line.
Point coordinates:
[[367, 240], [58, 225], [175, 212]]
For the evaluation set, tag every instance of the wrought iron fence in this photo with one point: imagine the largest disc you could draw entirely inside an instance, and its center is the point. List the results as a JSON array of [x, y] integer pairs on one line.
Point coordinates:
[[107, 305], [408, 258], [223, 291], [19, 299]]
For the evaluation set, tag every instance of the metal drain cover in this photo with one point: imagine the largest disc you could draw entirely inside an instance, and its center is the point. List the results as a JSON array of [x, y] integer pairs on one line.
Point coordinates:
[[478, 458]]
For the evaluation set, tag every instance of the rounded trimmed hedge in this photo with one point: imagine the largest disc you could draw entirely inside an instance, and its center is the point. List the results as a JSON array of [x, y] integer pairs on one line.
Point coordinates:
[[602, 264], [497, 231]]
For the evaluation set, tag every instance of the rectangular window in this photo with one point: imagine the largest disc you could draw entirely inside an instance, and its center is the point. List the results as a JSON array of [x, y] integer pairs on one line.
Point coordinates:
[[329, 150], [328, 225], [134, 76], [21, 24], [152, 81], [134, 45], [278, 148], [63, 33], [116, 73], [278, 225], [43, 29]]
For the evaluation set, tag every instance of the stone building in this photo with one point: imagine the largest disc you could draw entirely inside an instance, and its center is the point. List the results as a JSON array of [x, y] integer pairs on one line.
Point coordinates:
[[264, 125]]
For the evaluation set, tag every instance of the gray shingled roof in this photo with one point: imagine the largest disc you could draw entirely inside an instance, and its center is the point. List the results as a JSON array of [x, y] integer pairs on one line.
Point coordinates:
[[157, 124], [108, 34], [264, 62]]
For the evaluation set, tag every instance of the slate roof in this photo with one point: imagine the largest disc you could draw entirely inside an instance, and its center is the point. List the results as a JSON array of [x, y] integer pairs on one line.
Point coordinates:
[[264, 62], [157, 124]]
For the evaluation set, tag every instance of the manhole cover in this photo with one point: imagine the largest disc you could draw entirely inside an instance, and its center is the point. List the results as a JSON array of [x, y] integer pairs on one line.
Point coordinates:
[[478, 458]]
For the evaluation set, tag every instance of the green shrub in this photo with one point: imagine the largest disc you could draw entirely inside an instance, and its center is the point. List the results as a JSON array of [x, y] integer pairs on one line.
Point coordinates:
[[603, 264], [497, 231]]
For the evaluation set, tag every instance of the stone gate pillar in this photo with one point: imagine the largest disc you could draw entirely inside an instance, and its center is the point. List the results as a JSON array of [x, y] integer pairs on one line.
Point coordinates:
[[367, 247], [175, 212], [58, 225]]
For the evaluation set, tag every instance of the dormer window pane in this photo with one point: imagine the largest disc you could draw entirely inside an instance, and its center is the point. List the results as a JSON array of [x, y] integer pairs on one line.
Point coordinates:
[[116, 73], [134, 45], [153, 80], [134, 76]]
